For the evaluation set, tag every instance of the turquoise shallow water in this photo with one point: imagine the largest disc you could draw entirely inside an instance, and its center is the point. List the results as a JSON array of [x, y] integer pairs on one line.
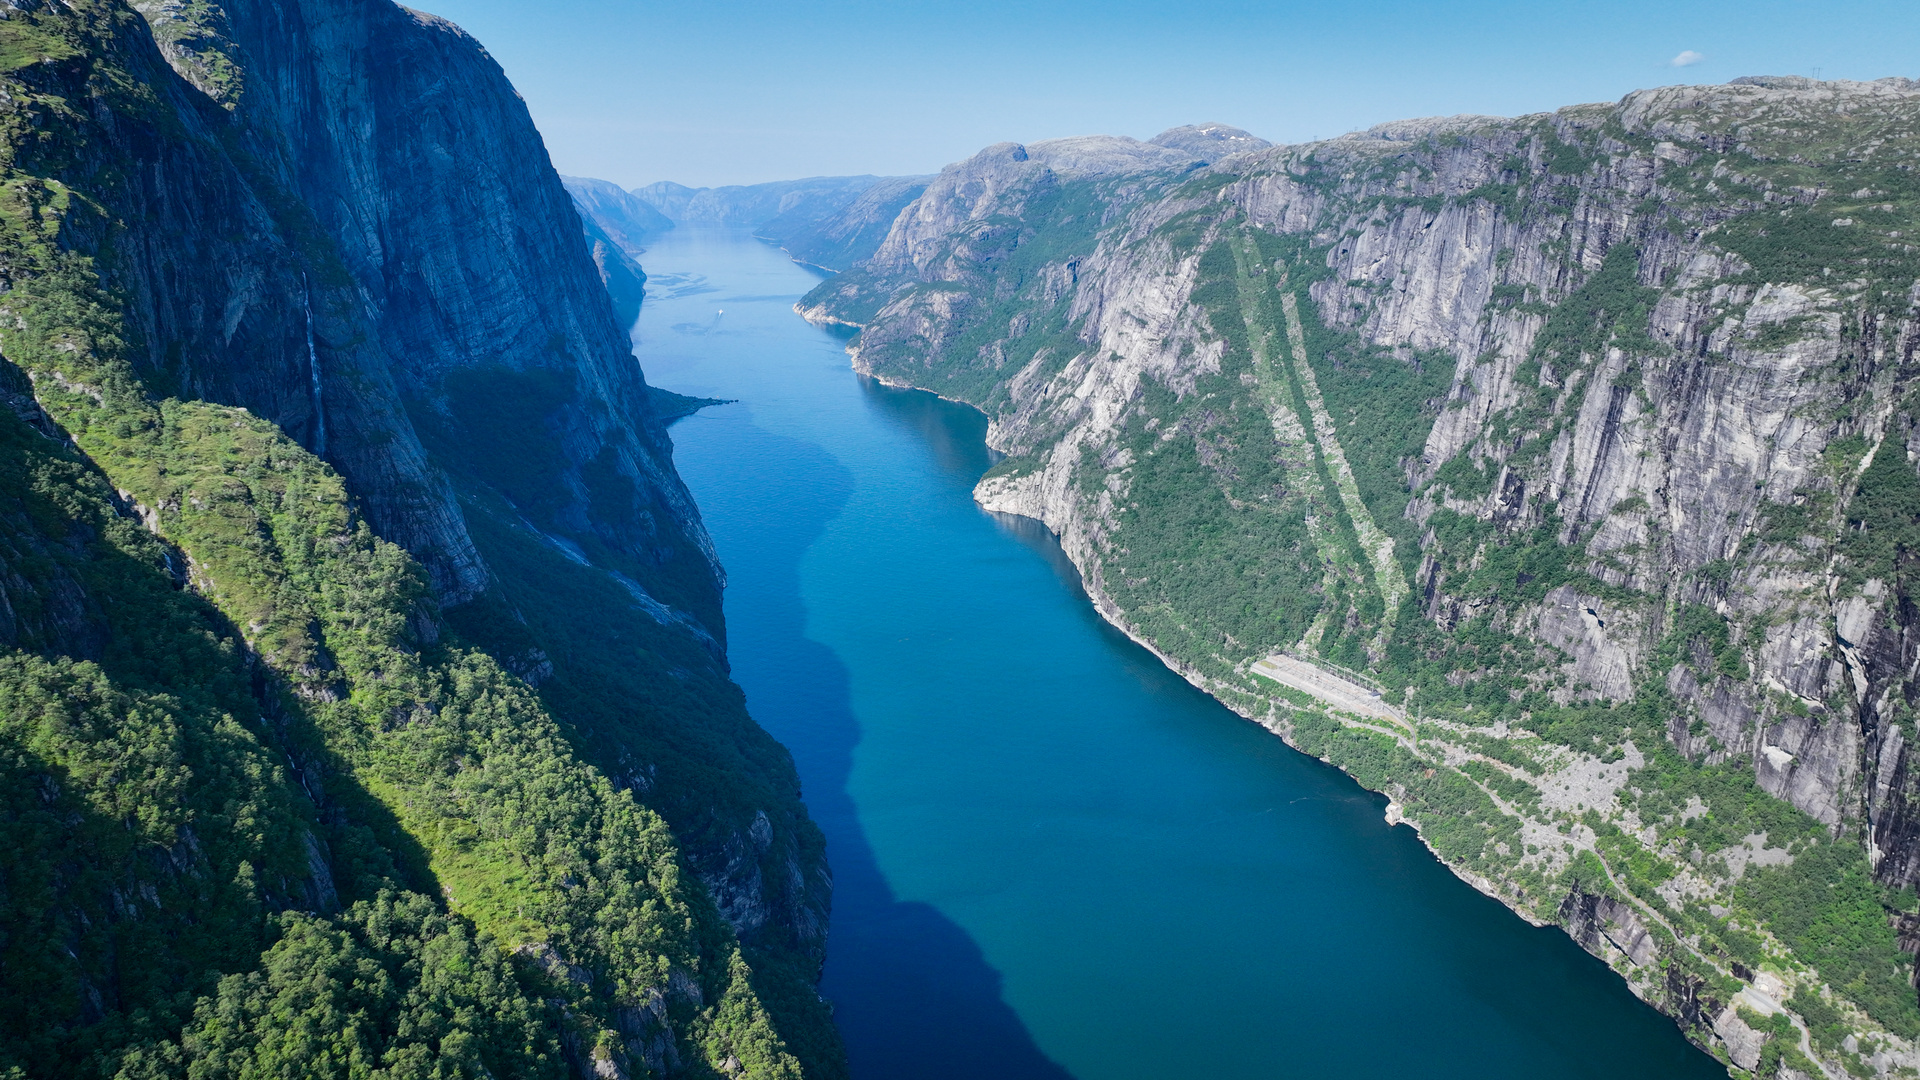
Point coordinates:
[[1053, 857]]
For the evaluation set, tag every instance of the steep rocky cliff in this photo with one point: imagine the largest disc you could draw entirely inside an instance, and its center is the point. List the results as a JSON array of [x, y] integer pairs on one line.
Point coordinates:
[[346, 563], [1555, 476]]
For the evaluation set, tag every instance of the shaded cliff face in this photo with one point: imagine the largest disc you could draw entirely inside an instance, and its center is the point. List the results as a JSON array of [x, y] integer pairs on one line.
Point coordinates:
[[1586, 438], [620, 272], [444, 220], [299, 281], [432, 213]]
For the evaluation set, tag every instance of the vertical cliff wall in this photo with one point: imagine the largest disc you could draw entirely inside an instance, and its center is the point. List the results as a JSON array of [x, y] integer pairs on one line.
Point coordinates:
[[1552, 475], [299, 282]]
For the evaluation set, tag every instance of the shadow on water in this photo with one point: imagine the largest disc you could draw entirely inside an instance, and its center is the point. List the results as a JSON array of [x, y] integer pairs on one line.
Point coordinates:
[[955, 434], [1544, 993], [913, 994]]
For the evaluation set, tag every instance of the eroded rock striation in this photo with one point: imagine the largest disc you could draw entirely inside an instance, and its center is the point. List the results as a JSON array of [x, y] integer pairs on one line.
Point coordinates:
[[1588, 439]]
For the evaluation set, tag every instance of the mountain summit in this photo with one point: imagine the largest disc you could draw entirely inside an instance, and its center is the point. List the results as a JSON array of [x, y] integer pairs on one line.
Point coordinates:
[[1209, 142]]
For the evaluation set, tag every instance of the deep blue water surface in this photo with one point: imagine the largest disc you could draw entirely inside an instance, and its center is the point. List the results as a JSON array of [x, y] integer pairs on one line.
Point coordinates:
[[1054, 858]]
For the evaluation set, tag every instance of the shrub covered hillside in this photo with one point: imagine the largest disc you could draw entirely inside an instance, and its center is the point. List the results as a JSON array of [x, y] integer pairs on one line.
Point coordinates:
[[363, 701], [1587, 440]]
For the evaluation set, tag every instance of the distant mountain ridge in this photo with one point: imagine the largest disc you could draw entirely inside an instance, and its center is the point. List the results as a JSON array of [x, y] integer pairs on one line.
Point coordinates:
[[750, 205], [836, 222], [849, 235], [795, 214]]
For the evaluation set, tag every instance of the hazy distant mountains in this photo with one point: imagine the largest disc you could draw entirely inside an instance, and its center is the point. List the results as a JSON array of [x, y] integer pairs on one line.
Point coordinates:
[[827, 221], [755, 204], [839, 236], [834, 222], [624, 215]]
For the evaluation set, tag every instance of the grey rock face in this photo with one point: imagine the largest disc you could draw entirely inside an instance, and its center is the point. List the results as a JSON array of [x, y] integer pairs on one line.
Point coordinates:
[[1108, 154], [1415, 130], [943, 227], [1681, 329], [1601, 922], [1742, 1042], [408, 151]]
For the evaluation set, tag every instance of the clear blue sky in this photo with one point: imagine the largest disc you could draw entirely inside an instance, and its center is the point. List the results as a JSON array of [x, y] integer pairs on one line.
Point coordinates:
[[741, 91]]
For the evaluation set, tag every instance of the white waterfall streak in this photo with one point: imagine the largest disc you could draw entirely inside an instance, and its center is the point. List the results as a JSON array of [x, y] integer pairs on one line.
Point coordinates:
[[313, 374]]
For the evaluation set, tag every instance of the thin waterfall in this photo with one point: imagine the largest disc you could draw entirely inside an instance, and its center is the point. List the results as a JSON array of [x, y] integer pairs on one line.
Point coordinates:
[[313, 373]]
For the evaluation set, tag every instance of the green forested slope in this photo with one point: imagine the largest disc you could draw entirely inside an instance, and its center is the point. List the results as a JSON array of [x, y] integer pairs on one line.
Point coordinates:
[[440, 771], [268, 809]]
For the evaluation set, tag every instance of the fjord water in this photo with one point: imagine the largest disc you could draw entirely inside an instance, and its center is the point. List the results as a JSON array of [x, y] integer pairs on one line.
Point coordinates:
[[1053, 857]]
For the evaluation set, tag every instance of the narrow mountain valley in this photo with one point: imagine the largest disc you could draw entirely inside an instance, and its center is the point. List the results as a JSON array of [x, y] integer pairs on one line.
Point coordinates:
[[365, 700]]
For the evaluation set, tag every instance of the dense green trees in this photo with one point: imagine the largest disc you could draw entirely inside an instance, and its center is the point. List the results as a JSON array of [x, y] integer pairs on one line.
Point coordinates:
[[393, 989]]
